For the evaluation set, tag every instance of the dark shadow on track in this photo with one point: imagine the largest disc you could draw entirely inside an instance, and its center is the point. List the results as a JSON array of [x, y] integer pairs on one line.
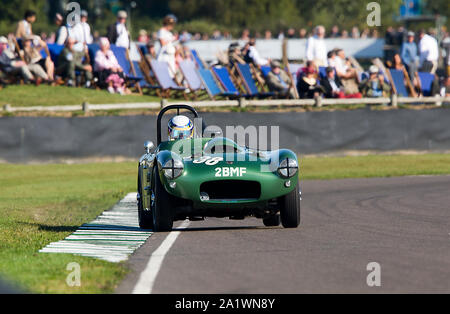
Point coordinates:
[[196, 229]]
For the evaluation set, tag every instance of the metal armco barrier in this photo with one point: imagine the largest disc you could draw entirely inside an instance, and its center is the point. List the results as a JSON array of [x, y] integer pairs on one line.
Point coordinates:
[[47, 139]]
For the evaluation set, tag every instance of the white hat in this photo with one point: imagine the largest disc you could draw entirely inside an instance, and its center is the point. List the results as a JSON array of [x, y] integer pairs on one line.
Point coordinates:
[[373, 69], [3, 40], [122, 14]]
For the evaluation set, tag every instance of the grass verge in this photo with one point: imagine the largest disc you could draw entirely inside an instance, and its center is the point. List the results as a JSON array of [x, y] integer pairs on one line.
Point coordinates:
[[40, 204], [45, 203], [44, 95]]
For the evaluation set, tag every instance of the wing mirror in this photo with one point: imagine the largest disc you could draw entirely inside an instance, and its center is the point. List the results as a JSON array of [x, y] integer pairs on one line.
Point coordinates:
[[148, 146]]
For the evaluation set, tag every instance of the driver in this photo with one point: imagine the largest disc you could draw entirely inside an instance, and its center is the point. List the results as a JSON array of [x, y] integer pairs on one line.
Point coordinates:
[[180, 127]]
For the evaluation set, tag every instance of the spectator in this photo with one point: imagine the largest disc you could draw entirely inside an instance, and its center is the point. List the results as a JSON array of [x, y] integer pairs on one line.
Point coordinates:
[[291, 33], [81, 32], [280, 35], [279, 82], [253, 55], [429, 53], [24, 27], [63, 30], [43, 36], [396, 63], [185, 36], [245, 35], [234, 54], [167, 41], [409, 55], [390, 36], [335, 32], [118, 33], [108, 69], [151, 51], [70, 61], [344, 34], [43, 68], [12, 65], [365, 34], [308, 85], [399, 36], [217, 35], [374, 34], [142, 36], [333, 87], [268, 35], [197, 36], [227, 35], [315, 47], [374, 86], [303, 33], [343, 66], [355, 32], [51, 38], [332, 58]]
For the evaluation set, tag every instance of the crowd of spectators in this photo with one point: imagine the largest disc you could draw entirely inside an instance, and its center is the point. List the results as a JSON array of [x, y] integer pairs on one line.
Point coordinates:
[[418, 52], [20, 56], [290, 33]]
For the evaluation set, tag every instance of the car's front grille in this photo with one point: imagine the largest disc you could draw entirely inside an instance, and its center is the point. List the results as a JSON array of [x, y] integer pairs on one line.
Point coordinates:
[[231, 190]]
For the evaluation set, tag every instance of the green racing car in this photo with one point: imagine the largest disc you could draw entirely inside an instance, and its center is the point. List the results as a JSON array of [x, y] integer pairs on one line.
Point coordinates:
[[192, 177]]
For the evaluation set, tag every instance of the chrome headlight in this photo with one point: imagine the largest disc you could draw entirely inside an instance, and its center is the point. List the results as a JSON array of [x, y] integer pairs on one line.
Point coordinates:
[[173, 168], [288, 168]]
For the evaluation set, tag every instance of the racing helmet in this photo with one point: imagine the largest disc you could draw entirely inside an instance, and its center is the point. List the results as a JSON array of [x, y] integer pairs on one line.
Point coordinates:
[[180, 127]]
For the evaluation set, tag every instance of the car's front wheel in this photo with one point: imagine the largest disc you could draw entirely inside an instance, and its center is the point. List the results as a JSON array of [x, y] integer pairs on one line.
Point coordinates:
[[290, 209], [162, 206]]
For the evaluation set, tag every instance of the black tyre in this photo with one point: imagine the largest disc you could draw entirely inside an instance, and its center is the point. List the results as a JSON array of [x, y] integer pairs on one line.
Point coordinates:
[[162, 209], [290, 209], [272, 221], [145, 217]]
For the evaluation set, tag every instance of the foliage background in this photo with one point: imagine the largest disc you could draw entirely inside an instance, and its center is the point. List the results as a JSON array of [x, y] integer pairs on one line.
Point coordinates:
[[207, 15]]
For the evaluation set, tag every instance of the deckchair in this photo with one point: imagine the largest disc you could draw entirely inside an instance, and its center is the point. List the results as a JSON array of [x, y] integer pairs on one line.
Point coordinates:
[[322, 72], [122, 57], [292, 70], [426, 81], [196, 58], [165, 81], [401, 83], [92, 50], [190, 75], [398, 82], [249, 84], [265, 70], [223, 76], [54, 50], [211, 86], [146, 69]]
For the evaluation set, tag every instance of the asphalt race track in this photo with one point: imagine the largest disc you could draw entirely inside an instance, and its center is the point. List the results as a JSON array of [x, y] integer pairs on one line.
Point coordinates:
[[401, 223]]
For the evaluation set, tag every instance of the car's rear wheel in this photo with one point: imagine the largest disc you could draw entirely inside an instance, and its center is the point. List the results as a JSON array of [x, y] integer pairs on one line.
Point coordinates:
[[145, 217], [162, 207], [272, 221], [290, 209]]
